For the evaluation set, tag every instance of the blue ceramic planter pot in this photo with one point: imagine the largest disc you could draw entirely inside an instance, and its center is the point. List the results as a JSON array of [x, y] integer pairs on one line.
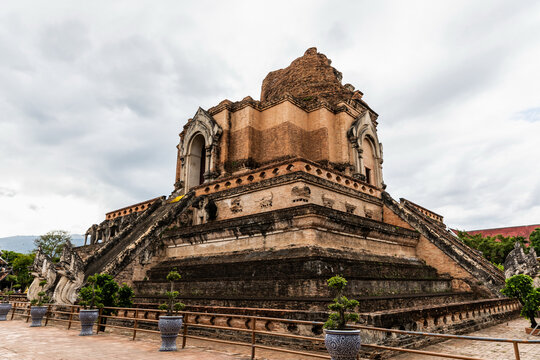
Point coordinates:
[[342, 344], [88, 318], [37, 313], [4, 310], [170, 327]]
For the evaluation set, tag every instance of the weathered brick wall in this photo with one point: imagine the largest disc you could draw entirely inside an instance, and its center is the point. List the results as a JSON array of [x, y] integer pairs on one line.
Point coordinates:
[[434, 257], [391, 218]]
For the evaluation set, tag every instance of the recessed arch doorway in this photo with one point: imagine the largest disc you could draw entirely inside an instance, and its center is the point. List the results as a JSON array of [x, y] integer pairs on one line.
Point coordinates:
[[196, 161]]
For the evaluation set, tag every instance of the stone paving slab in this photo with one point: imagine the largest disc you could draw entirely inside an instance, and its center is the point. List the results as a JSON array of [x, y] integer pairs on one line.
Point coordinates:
[[21, 342], [514, 329]]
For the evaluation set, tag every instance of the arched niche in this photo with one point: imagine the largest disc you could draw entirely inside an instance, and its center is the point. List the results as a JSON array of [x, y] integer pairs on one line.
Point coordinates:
[[197, 151], [366, 150], [368, 155], [196, 161]]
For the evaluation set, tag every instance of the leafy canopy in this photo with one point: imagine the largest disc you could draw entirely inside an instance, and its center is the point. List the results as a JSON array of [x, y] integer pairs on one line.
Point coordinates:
[[521, 288], [125, 296], [534, 239], [494, 248], [342, 307], [103, 291], [90, 296], [19, 263], [52, 243]]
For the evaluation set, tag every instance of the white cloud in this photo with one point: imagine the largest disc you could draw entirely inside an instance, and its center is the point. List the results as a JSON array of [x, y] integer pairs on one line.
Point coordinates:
[[93, 95]]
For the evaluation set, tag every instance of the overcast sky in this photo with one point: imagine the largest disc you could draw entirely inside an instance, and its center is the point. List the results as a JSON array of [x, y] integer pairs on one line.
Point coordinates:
[[94, 94]]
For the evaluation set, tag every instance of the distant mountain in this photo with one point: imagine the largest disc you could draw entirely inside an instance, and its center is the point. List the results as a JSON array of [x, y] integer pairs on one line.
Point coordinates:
[[25, 243]]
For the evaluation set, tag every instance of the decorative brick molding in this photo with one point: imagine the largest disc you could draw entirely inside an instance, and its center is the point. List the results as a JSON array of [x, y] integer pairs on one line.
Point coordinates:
[[287, 167]]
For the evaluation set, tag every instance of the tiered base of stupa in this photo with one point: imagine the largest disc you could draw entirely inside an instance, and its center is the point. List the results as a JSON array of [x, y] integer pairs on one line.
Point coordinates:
[[282, 231]]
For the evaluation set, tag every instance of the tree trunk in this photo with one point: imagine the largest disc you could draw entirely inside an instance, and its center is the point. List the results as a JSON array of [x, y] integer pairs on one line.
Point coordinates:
[[531, 315], [103, 322]]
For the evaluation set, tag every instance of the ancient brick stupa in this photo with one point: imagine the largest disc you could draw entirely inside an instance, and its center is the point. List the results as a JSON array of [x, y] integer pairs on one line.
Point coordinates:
[[273, 197]]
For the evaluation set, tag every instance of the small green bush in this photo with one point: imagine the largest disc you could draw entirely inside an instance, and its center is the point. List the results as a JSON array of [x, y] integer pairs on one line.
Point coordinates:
[[125, 296]]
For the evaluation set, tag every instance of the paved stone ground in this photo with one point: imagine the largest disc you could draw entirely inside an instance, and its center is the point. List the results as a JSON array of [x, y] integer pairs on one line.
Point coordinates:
[[486, 350], [21, 342], [18, 341]]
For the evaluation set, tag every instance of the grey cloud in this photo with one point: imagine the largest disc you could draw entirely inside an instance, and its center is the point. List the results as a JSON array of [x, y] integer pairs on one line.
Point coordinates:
[[64, 41], [336, 36], [452, 82], [478, 23], [130, 72], [198, 80], [7, 192]]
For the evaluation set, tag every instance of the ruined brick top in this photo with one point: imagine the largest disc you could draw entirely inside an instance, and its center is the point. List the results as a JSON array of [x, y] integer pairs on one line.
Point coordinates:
[[309, 82], [308, 78]]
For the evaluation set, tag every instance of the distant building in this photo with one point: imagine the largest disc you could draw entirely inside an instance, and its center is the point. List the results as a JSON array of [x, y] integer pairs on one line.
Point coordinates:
[[524, 231]]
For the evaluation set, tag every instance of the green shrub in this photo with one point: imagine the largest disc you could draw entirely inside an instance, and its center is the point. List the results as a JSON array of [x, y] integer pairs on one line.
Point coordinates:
[[521, 288], [107, 291], [125, 296], [90, 296]]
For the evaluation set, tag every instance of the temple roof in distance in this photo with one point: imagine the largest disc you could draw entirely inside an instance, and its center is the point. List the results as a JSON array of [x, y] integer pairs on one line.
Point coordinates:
[[524, 230]]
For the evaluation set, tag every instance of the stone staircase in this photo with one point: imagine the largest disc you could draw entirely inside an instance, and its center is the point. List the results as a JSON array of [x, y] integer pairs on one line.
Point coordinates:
[[136, 238], [485, 273]]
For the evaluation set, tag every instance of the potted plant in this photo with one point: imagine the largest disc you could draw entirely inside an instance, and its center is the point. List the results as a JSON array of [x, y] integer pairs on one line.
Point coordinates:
[[170, 324], [38, 309], [5, 305], [521, 288], [341, 342], [90, 300]]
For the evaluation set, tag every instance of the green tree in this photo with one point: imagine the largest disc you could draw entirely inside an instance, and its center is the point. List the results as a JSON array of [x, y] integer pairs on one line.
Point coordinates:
[[9, 256], [521, 288], [494, 248], [534, 239], [342, 307], [109, 289], [9, 291], [52, 243], [90, 295], [125, 296], [20, 267], [171, 306], [19, 263]]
